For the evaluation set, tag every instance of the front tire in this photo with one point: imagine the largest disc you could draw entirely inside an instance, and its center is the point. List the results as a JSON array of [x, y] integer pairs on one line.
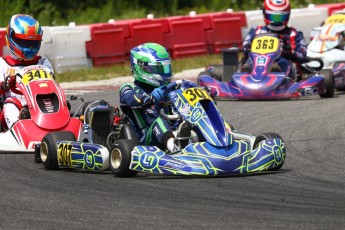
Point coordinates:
[[328, 83], [267, 136], [120, 158], [48, 148]]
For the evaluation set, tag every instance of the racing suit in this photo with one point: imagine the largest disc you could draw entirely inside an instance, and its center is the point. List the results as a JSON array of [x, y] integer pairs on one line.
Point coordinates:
[[294, 45], [136, 102], [9, 66]]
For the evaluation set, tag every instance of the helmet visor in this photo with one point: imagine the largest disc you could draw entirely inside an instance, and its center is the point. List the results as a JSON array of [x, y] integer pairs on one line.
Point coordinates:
[[157, 68], [277, 17], [26, 43]]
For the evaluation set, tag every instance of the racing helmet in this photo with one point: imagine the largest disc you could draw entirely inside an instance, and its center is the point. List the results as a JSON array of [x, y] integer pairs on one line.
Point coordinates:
[[276, 12], [151, 64], [24, 36]]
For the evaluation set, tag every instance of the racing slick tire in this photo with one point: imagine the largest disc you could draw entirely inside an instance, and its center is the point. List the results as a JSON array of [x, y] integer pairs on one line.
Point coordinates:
[[267, 136], [48, 149], [120, 158], [203, 73], [218, 72], [328, 83]]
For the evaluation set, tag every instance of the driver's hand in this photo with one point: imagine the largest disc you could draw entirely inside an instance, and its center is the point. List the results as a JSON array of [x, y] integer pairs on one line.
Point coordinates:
[[159, 93], [12, 82]]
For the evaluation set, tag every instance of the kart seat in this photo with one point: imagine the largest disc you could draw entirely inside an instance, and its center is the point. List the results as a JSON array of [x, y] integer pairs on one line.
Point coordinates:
[[129, 112]]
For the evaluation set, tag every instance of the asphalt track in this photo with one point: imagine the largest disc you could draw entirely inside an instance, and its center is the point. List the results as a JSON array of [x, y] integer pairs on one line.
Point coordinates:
[[307, 193]]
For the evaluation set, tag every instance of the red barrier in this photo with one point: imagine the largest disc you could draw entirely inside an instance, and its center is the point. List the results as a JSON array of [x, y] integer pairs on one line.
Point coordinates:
[[226, 30], [107, 45], [332, 7], [2, 40], [146, 30], [186, 36]]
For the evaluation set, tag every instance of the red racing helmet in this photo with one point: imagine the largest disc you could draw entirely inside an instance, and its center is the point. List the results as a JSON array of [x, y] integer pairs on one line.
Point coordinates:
[[276, 12]]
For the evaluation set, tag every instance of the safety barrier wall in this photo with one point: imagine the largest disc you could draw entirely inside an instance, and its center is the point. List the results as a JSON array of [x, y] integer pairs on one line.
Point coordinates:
[[331, 8], [225, 30], [76, 47], [65, 47], [3, 41], [107, 44]]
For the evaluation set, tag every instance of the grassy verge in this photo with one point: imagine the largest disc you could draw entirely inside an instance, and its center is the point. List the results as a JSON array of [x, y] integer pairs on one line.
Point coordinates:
[[123, 69]]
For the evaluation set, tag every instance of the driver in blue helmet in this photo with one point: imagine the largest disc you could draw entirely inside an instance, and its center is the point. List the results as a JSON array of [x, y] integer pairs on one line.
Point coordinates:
[[151, 69], [276, 16]]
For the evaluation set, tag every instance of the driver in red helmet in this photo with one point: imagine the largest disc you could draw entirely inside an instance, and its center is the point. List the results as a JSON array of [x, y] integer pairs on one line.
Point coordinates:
[[23, 38], [276, 15]]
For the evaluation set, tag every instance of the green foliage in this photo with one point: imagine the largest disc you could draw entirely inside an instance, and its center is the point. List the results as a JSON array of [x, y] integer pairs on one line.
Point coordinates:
[[61, 12]]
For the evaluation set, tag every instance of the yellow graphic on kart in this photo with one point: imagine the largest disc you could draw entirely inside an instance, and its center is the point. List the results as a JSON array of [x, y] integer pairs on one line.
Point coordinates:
[[35, 75], [194, 95], [335, 19]]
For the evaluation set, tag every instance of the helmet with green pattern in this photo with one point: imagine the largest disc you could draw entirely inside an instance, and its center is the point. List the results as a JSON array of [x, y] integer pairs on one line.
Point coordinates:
[[151, 64]]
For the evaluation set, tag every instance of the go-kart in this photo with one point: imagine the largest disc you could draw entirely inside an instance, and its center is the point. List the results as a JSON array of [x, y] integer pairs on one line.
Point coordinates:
[[207, 144], [50, 122], [48, 109], [264, 79], [329, 45], [88, 152]]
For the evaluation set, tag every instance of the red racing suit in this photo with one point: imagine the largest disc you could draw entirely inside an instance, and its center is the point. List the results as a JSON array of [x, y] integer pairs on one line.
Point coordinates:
[[9, 66]]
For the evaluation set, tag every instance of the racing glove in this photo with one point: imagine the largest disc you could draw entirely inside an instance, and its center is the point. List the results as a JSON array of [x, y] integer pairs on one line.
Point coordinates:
[[12, 82], [158, 94]]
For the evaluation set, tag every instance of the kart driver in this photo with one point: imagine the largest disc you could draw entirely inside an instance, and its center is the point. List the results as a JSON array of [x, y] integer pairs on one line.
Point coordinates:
[[276, 16], [23, 38], [151, 69]]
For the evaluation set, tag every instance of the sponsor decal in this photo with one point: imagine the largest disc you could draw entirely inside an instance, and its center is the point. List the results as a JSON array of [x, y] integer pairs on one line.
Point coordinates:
[[278, 2], [148, 160], [196, 115], [261, 60], [185, 109], [89, 159], [174, 165]]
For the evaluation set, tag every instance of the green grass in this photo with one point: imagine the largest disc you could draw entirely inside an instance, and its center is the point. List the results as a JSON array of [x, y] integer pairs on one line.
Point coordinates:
[[123, 69]]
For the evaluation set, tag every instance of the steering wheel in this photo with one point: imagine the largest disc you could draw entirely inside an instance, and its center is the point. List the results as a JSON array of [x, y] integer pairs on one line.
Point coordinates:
[[13, 89], [171, 86]]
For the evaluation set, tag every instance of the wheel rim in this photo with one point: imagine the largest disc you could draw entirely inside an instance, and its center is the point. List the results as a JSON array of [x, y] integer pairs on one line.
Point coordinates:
[[44, 152], [116, 158]]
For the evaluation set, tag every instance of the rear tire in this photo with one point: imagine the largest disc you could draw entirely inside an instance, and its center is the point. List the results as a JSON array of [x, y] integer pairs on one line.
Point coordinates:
[[48, 148], [217, 73], [267, 136], [328, 83], [203, 73], [120, 158]]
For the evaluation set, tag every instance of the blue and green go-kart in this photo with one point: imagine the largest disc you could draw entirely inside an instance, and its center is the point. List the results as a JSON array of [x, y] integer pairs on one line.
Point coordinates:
[[212, 147]]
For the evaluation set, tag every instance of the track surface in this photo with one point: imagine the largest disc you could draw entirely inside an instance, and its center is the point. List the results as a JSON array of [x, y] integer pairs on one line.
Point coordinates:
[[307, 193]]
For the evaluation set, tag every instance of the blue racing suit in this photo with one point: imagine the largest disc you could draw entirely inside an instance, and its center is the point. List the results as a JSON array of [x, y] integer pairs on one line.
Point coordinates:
[[294, 47], [137, 104]]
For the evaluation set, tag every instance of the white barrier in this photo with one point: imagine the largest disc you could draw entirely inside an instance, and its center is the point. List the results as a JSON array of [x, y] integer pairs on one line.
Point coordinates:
[[307, 19], [65, 47]]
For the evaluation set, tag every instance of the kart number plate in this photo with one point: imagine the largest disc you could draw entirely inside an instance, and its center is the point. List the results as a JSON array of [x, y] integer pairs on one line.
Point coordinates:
[[35, 75], [265, 44], [194, 95], [337, 18], [64, 152]]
